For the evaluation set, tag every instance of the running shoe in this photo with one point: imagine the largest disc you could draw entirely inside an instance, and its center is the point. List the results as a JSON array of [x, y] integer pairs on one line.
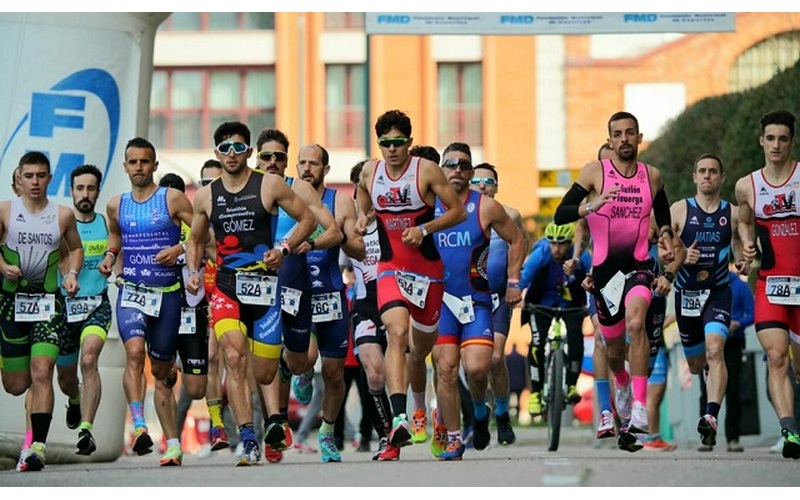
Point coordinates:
[[327, 447], [219, 438], [733, 445], [466, 435], [387, 452], [658, 444], [173, 457], [573, 396], [250, 454], [705, 447], [628, 441], [86, 443], [455, 450], [419, 426], [303, 387], [638, 422], [439, 441], [73, 416], [535, 404], [505, 433], [287, 441], [363, 446], [623, 400], [606, 427], [791, 444], [481, 437], [707, 427], [274, 435], [400, 435], [272, 456], [141, 442], [31, 459]]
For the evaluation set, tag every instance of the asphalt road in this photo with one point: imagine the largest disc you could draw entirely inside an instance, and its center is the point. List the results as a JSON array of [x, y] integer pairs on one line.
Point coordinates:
[[578, 462]]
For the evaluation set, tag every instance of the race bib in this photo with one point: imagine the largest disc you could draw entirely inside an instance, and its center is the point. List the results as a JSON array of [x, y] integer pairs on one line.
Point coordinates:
[[147, 300], [290, 300], [413, 287], [612, 292], [326, 307], [30, 307], [783, 290], [461, 308], [693, 302], [79, 308], [188, 321], [256, 289]]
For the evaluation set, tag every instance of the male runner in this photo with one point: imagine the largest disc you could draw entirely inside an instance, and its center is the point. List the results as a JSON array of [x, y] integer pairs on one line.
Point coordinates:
[[330, 312], [145, 224], [486, 180], [466, 327], [246, 308], [89, 312], [31, 302], [621, 194], [768, 217], [403, 190], [708, 225]]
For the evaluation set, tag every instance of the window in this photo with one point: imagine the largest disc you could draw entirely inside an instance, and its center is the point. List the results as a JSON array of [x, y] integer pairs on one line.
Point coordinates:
[[460, 103], [344, 20], [217, 21], [764, 60], [345, 99], [187, 105]]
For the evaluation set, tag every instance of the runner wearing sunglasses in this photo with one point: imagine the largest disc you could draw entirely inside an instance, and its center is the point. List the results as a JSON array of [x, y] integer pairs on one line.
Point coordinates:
[[246, 305], [466, 334], [485, 179], [403, 190], [299, 346]]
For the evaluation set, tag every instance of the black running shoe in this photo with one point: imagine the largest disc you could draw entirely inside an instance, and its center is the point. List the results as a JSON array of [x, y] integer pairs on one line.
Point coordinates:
[[274, 435], [481, 436], [505, 433], [86, 444], [627, 440], [73, 416], [142, 442]]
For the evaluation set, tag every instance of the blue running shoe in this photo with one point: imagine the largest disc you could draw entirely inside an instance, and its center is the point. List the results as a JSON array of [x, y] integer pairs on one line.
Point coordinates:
[[455, 450], [327, 447], [303, 387]]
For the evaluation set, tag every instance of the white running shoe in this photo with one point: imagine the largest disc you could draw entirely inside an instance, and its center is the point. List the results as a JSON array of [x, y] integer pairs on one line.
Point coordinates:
[[639, 419], [622, 400], [606, 427]]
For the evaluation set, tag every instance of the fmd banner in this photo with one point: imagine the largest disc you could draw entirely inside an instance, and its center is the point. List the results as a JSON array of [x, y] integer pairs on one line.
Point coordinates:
[[546, 23], [72, 91]]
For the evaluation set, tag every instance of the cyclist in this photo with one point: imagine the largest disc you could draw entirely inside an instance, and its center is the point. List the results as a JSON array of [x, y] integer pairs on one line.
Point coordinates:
[[553, 288]]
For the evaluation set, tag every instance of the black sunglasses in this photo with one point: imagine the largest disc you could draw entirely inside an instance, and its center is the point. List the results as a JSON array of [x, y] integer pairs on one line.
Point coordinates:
[[454, 163], [273, 155], [387, 142]]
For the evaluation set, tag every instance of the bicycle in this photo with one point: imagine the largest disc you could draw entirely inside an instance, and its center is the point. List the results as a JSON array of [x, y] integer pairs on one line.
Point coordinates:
[[554, 390]]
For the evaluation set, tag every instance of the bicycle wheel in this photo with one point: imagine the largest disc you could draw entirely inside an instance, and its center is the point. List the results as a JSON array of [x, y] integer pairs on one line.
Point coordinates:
[[555, 403]]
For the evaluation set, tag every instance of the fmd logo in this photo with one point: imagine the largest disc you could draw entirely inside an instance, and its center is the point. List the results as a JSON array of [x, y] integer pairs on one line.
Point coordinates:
[[388, 19], [640, 18], [77, 118], [516, 19]]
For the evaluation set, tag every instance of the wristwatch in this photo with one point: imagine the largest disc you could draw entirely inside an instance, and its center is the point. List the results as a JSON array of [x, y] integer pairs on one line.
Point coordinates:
[[284, 250], [670, 276]]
